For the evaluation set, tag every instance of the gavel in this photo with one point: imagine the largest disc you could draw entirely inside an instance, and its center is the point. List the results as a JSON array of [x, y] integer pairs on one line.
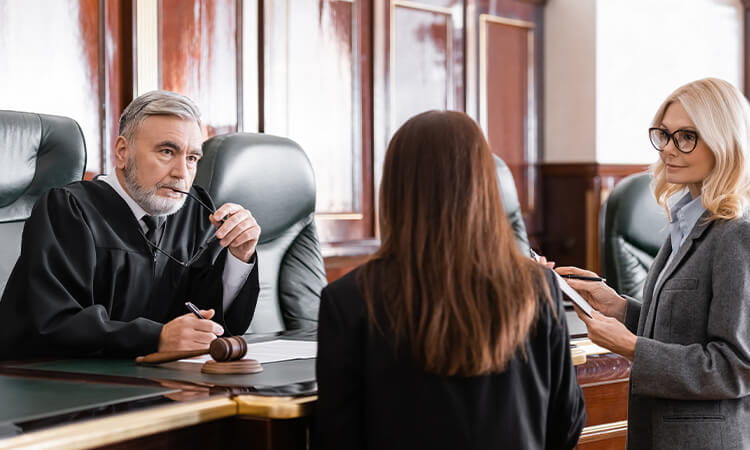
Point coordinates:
[[227, 353]]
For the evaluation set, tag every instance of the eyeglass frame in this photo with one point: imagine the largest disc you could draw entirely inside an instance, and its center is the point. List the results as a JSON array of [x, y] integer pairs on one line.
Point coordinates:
[[201, 249], [671, 137]]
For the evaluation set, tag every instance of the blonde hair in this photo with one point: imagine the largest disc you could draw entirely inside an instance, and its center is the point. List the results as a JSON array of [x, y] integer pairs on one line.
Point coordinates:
[[722, 116]]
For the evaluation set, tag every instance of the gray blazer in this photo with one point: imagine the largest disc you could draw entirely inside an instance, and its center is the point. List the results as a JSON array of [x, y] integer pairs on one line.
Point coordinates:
[[690, 378]]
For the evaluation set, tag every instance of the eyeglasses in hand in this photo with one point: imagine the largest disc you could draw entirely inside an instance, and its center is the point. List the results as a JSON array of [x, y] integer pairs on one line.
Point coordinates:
[[200, 250]]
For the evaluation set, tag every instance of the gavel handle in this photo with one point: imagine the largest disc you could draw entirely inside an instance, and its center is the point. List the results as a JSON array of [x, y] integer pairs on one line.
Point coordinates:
[[162, 357]]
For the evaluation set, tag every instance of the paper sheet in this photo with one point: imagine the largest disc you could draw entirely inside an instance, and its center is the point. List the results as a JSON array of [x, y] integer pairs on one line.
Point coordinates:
[[574, 296], [273, 351], [589, 347]]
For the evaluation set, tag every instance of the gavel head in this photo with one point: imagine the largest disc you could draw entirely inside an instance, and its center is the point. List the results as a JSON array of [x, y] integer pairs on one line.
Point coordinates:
[[228, 348]]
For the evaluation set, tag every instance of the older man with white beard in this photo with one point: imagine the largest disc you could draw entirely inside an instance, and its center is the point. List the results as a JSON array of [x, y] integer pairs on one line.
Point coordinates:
[[107, 266]]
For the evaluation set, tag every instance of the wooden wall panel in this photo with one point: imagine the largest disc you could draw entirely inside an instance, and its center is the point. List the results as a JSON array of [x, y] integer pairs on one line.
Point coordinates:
[[79, 67], [423, 44], [317, 92], [421, 74], [198, 57], [55, 71], [504, 89], [507, 109], [573, 195]]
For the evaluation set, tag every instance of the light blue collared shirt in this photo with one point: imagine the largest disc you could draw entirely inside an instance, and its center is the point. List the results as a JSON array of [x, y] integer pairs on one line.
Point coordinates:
[[685, 214], [235, 272]]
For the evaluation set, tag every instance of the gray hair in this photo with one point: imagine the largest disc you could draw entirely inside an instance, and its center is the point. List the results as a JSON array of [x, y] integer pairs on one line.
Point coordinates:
[[156, 103]]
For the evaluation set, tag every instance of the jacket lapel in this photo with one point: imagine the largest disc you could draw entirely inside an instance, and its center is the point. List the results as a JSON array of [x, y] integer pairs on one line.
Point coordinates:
[[648, 287], [700, 227]]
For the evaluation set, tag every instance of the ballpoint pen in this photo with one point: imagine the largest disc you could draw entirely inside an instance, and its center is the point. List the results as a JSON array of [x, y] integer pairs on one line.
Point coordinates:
[[194, 309], [584, 278]]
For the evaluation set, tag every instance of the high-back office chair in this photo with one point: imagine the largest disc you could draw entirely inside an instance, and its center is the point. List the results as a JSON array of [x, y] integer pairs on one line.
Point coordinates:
[[632, 228], [272, 177], [37, 152], [511, 204]]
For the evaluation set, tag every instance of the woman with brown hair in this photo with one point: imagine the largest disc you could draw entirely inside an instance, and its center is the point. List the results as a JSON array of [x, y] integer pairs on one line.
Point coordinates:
[[449, 337]]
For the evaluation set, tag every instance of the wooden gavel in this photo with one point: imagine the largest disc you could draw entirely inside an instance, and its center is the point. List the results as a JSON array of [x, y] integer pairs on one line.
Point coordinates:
[[221, 350]]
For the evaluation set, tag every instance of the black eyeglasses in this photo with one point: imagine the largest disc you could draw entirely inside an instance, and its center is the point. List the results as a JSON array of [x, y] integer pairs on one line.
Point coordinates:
[[684, 140], [200, 250]]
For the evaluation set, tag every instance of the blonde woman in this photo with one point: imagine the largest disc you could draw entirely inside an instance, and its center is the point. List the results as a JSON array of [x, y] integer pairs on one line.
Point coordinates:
[[690, 338]]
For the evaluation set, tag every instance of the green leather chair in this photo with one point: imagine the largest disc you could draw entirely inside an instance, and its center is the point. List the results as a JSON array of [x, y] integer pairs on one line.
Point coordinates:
[[272, 177], [632, 228], [37, 152]]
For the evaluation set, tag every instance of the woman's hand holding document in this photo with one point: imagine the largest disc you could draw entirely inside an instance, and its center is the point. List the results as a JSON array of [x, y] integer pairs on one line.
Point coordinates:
[[574, 296], [605, 320]]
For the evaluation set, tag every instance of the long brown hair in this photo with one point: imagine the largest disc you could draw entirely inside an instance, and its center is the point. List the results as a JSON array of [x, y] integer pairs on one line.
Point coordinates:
[[452, 279]]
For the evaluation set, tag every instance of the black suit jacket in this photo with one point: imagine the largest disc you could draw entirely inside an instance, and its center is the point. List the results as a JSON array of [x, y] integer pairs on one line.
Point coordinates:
[[372, 398]]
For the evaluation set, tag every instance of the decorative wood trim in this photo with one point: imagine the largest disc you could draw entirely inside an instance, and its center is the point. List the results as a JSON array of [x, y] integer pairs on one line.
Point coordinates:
[[147, 46], [528, 198], [591, 169], [605, 431], [122, 427], [350, 248], [573, 194], [275, 407], [422, 7]]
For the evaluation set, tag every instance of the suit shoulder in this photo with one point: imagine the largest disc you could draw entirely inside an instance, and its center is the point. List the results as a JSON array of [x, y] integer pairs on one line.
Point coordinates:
[[346, 285], [733, 228]]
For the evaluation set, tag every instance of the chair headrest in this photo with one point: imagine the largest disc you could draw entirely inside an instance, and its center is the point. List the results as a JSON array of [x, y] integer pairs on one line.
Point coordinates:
[[508, 193], [269, 175], [37, 152]]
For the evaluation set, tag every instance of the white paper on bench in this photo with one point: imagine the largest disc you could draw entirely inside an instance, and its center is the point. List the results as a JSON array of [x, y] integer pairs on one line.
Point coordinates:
[[273, 351]]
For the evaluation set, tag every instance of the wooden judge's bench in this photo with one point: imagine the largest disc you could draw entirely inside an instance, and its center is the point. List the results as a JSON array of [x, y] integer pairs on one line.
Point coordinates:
[[116, 404], [604, 380]]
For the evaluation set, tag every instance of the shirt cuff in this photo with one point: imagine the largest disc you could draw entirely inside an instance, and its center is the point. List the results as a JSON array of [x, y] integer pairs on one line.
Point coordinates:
[[234, 276]]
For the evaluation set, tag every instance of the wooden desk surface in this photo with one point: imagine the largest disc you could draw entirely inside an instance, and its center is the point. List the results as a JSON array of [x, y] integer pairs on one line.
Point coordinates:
[[159, 419], [122, 427]]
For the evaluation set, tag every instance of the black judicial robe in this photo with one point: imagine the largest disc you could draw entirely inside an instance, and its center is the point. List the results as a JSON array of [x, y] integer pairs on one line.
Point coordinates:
[[88, 284]]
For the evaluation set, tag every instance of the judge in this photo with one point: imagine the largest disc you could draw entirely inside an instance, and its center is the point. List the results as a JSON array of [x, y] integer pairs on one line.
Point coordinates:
[[106, 266]]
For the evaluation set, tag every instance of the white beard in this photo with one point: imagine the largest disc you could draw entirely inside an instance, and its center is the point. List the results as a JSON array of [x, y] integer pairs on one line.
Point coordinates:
[[147, 199]]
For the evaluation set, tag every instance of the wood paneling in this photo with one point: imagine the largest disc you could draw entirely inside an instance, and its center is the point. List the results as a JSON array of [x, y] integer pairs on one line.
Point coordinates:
[[419, 64], [604, 380], [81, 67], [69, 69], [504, 89], [198, 57], [317, 91], [573, 195], [506, 97]]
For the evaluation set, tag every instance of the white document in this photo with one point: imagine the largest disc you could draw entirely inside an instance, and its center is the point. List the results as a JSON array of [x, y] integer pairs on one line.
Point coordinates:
[[273, 351], [573, 295]]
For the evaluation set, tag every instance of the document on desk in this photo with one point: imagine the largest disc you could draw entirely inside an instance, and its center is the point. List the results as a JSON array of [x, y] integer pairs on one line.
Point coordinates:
[[273, 351], [574, 296]]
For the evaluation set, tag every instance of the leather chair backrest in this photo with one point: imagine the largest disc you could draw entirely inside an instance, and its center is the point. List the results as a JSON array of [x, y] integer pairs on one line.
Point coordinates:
[[632, 229], [512, 206], [272, 177], [37, 152]]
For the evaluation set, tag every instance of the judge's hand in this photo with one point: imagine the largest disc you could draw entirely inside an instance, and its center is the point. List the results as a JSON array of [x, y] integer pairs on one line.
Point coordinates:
[[239, 232], [602, 297], [188, 332], [609, 333]]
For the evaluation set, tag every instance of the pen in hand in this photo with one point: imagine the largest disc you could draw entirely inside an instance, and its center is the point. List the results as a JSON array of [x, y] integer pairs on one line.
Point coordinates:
[[584, 278], [194, 309]]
